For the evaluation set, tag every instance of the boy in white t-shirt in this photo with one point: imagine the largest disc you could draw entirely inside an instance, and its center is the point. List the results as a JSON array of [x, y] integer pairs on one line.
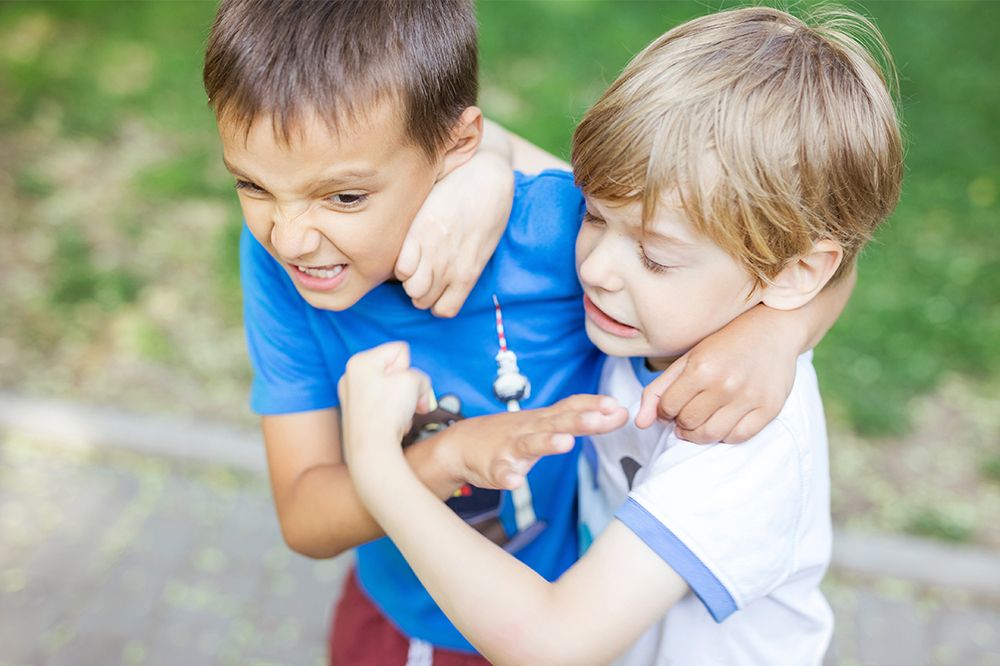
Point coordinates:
[[744, 157]]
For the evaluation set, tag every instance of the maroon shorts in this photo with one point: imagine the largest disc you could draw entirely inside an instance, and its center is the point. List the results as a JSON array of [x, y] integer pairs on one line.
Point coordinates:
[[361, 636]]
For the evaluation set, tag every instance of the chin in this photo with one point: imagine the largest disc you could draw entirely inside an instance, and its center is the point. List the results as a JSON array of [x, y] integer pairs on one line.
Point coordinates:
[[332, 302]]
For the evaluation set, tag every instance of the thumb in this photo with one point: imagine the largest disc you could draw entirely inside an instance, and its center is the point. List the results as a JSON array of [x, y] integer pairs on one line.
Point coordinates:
[[426, 401], [651, 395]]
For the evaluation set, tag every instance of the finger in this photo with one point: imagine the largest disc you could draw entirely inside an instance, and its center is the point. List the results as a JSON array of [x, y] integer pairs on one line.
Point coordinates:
[[681, 391], [511, 481], [714, 428], [583, 402], [749, 426], [701, 408], [452, 300], [408, 259], [420, 282], [426, 402], [537, 444], [512, 473], [651, 395], [588, 423], [438, 282]]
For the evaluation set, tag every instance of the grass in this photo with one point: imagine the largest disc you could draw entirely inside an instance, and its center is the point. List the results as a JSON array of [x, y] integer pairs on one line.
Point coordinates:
[[119, 260]]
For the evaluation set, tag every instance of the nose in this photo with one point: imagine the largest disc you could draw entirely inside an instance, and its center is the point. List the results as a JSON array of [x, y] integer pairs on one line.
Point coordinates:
[[293, 234], [600, 267]]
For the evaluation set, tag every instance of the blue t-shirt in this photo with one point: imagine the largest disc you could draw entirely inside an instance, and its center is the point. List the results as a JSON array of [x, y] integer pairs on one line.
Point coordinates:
[[299, 352]]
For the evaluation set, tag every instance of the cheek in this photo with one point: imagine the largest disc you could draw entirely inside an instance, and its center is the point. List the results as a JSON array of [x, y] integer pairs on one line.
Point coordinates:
[[258, 219]]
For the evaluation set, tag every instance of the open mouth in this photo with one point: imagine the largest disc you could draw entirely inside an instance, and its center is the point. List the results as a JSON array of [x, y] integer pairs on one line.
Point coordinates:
[[606, 322], [320, 278]]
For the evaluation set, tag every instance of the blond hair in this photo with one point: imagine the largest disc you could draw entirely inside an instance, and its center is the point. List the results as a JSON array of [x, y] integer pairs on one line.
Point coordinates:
[[774, 133]]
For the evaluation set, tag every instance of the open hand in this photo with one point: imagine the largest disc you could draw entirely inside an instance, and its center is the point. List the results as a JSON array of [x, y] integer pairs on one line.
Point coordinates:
[[498, 450], [455, 233], [725, 389]]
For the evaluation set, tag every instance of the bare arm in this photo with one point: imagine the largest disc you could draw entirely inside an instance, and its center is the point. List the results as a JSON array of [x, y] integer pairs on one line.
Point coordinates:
[[318, 506], [506, 610], [529, 158], [509, 612], [734, 382]]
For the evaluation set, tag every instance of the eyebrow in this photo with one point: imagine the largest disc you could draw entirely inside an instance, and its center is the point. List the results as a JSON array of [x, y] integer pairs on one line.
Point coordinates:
[[339, 179], [656, 236]]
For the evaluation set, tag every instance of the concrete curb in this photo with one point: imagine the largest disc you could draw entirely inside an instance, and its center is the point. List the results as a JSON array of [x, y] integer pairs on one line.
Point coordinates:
[[81, 426], [935, 563], [73, 425]]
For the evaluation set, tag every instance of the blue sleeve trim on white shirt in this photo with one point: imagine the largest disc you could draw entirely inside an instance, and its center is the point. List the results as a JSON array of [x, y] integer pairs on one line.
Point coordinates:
[[665, 543]]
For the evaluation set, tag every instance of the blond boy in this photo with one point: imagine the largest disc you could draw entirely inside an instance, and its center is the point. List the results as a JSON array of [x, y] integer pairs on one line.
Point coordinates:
[[743, 158]]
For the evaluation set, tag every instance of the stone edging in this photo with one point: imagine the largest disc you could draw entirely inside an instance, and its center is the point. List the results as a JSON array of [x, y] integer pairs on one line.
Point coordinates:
[[75, 425]]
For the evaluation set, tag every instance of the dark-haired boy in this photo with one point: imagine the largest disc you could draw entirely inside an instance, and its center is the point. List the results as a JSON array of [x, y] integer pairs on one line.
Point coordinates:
[[337, 119]]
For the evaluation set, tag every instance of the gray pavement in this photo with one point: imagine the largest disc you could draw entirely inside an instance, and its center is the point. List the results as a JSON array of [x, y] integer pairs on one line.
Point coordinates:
[[118, 557], [125, 559]]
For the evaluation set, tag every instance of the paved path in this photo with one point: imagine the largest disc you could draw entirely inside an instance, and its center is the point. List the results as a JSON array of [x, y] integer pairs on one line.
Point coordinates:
[[130, 558]]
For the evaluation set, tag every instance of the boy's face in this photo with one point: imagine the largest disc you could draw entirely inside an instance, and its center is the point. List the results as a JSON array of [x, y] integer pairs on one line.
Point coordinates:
[[654, 292], [332, 208]]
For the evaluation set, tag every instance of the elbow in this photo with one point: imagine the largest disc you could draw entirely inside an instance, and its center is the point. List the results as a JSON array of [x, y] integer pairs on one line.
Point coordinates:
[[302, 542], [528, 656], [533, 645], [314, 551]]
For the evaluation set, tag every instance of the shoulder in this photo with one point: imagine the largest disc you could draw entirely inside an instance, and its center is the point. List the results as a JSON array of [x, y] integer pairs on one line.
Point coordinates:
[[536, 255], [802, 417], [556, 179], [546, 202]]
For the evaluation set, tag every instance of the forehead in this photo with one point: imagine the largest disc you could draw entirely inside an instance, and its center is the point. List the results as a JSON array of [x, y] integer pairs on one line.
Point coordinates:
[[372, 137], [669, 223]]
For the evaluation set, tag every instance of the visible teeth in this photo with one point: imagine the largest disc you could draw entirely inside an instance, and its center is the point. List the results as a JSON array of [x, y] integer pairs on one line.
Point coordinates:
[[325, 273]]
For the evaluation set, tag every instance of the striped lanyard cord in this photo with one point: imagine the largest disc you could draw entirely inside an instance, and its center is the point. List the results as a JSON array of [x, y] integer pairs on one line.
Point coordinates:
[[511, 387]]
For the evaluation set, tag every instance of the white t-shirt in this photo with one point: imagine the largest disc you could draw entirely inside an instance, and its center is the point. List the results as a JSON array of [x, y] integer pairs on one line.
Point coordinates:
[[747, 526]]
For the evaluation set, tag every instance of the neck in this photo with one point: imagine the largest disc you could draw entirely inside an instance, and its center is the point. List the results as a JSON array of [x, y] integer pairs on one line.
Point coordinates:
[[660, 363]]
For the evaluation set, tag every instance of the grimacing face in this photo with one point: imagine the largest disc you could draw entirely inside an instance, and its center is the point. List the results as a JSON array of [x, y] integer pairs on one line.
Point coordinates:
[[655, 292], [331, 207]]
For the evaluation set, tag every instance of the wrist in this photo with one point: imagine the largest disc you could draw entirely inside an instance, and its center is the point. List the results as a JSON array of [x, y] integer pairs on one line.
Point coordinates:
[[792, 326], [436, 463], [449, 457]]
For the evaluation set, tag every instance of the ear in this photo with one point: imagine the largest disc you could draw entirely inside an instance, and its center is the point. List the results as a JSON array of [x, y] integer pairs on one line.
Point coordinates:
[[466, 135], [804, 277]]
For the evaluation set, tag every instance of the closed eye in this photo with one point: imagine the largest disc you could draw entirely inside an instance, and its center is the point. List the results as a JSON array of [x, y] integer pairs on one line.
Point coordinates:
[[590, 218], [649, 263]]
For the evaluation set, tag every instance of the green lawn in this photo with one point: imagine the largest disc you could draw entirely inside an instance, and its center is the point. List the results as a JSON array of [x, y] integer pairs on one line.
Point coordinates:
[[105, 138]]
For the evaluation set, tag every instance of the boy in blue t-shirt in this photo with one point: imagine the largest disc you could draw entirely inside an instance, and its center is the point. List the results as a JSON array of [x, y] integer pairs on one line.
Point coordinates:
[[337, 119]]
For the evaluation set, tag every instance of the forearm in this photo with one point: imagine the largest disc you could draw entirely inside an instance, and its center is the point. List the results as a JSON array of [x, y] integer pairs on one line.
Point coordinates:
[[522, 154], [496, 142], [804, 327], [322, 515], [823, 311], [471, 569]]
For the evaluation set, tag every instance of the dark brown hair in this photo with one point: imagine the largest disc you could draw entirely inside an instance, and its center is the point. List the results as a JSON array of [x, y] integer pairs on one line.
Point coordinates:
[[339, 58]]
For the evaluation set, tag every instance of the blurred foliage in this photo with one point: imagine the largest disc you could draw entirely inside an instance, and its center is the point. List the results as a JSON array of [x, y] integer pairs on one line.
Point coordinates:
[[931, 522], [927, 301], [119, 227]]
